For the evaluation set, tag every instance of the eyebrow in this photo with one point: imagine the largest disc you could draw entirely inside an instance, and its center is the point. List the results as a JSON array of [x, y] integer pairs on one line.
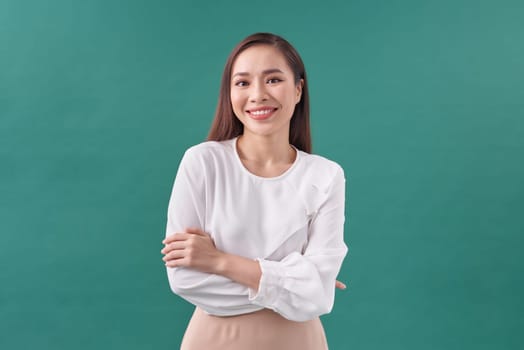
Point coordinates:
[[267, 71]]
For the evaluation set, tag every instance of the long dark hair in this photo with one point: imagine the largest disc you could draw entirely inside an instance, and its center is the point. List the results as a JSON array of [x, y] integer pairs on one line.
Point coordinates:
[[226, 125]]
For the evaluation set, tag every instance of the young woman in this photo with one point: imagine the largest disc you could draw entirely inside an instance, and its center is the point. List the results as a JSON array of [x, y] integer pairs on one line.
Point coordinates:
[[255, 222]]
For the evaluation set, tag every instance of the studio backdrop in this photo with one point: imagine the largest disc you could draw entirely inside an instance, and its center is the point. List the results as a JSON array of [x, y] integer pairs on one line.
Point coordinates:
[[421, 102]]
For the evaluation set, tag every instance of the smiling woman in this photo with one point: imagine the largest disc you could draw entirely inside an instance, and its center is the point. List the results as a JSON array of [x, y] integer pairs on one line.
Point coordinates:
[[254, 235], [264, 89]]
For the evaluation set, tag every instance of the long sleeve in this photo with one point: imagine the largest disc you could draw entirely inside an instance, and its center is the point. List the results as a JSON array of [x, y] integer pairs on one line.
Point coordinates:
[[187, 208], [292, 224], [302, 286]]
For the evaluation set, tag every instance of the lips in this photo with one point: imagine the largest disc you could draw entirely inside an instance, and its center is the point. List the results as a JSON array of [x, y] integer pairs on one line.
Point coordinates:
[[261, 112]]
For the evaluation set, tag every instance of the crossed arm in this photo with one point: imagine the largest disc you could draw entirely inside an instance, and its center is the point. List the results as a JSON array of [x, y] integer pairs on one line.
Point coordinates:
[[299, 287], [195, 249]]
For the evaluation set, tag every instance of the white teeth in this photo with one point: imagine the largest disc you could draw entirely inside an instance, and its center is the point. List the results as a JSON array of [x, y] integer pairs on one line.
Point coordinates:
[[261, 112]]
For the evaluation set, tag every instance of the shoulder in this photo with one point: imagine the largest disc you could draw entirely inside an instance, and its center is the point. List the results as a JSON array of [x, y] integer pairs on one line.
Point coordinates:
[[321, 167], [319, 180], [209, 149], [208, 157]]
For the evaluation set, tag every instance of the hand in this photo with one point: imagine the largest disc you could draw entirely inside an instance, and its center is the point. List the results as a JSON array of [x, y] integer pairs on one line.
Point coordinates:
[[340, 285], [193, 248]]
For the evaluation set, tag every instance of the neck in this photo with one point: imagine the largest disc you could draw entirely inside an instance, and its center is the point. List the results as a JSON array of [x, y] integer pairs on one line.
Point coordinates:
[[268, 150]]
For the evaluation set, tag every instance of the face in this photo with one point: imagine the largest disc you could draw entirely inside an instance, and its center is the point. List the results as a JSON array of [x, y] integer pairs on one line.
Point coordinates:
[[263, 91]]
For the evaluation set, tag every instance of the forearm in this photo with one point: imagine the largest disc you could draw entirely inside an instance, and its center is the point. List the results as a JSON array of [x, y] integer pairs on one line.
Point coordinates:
[[196, 250], [299, 287], [239, 269]]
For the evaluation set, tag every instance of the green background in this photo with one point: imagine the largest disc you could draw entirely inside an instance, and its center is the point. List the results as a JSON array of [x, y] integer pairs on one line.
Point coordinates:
[[421, 102]]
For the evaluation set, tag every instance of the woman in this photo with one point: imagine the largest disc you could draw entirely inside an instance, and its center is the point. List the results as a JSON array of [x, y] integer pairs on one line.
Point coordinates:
[[255, 222]]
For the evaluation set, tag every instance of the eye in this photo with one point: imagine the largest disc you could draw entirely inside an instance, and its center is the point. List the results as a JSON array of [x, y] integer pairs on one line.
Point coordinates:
[[274, 80], [241, 83]]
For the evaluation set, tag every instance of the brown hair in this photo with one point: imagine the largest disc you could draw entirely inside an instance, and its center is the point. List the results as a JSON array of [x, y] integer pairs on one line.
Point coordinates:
[[226, 125]]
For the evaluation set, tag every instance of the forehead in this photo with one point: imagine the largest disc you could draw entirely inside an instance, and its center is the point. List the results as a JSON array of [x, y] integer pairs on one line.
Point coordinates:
[[259, 58]]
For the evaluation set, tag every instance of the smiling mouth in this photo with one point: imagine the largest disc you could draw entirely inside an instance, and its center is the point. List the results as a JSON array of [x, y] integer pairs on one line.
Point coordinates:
[[261, 113]]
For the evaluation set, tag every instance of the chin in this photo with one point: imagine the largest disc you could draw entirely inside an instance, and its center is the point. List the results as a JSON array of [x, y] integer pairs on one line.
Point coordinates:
[[265, 131]]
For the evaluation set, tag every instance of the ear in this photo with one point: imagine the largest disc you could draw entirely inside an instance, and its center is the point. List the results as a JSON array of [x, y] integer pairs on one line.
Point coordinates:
[[299, 87]]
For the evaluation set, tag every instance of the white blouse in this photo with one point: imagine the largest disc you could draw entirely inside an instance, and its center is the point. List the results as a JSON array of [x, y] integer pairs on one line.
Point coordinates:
[[293, 224]]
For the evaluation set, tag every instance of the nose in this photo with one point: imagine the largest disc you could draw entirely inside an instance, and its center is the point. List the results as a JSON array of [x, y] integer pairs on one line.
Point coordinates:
[[258, 92]]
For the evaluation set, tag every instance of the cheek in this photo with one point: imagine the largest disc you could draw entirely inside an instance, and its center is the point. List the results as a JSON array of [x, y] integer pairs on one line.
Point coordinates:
[[236, 101], [289, 100], [287, 95]]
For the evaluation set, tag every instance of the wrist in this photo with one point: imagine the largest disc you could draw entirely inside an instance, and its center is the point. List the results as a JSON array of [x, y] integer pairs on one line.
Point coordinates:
[[221, 264]]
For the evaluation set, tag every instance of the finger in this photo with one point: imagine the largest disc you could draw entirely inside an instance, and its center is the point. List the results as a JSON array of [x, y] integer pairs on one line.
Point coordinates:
[[174, 255], [169, 238], [176, 263], [196, 231], [173, 246], [179, 236], [340, 285]]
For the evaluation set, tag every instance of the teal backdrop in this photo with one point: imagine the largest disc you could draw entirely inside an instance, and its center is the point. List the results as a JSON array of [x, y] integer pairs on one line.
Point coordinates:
[[421, 102]]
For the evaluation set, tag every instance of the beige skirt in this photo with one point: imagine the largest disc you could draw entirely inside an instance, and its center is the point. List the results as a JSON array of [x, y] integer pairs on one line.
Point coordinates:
[[261, 330]]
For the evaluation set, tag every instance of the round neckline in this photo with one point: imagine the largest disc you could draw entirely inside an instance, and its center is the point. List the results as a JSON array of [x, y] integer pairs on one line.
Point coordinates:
[[263, 178]]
